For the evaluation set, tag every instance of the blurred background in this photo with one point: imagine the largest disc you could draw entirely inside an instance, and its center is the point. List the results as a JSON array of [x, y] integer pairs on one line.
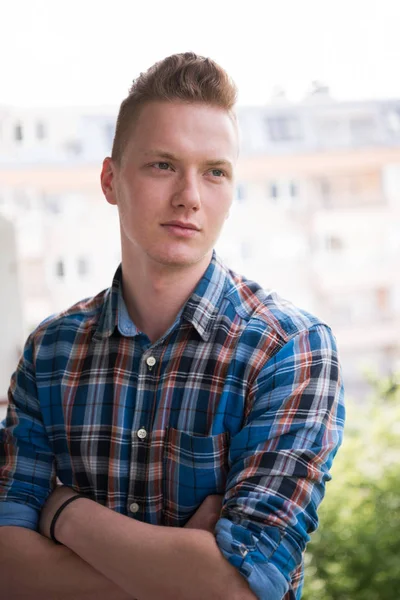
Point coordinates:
[[316, 214]]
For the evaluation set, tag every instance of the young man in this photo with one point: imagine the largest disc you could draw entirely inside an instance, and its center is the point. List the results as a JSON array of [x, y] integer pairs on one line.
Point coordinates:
[[196, 413]]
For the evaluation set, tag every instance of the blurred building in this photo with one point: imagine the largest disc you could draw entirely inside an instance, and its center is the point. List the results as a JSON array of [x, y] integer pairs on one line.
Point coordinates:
[[65, 235], [10, 303], [320, 183], [316, 215]]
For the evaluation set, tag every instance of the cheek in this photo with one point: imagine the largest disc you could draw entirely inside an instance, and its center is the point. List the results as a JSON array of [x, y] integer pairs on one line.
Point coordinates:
[[132, 201]]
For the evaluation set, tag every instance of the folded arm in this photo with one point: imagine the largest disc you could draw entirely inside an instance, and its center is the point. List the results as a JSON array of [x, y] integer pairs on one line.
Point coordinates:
[[27, 476], [34, 568], [147, 561], [52, 571], [280, 462]]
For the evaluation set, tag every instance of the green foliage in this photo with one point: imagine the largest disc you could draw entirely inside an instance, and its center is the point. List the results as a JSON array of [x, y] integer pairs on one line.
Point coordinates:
[[355, 553]]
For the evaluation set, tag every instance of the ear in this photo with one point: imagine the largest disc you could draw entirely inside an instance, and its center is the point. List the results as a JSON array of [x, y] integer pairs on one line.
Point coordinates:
[[107, 180]]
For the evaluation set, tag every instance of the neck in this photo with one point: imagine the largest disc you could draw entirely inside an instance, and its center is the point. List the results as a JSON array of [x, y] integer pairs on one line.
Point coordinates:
[[154, 293]]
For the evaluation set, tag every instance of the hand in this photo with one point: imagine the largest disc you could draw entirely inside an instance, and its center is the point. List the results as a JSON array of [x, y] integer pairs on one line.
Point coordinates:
[[52, 504], [207, 515]]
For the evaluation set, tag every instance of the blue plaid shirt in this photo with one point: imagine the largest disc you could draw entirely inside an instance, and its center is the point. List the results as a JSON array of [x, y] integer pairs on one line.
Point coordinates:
[[241, 396]]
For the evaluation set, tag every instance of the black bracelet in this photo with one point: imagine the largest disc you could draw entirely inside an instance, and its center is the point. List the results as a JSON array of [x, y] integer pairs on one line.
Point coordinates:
[[58, 513]]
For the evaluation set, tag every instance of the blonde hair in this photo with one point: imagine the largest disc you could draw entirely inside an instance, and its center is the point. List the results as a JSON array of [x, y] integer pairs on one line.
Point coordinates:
[[185, 77]]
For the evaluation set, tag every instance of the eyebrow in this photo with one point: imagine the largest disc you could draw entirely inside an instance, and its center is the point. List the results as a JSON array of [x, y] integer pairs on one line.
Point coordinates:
[[160, 154], [167, 155], [219, 162]]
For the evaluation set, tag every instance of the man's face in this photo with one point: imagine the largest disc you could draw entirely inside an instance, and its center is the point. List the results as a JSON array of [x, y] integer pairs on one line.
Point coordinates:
[[174, 185]]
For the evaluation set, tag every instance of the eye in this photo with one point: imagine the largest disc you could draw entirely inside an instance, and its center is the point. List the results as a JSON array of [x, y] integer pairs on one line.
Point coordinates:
[[217, 173], [162, 166]]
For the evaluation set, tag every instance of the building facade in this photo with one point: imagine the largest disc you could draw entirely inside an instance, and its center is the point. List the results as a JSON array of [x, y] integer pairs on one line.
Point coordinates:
[[316, 216]]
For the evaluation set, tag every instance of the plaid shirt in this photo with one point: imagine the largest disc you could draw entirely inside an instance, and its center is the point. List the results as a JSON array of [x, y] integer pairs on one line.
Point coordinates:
[[241, 397]]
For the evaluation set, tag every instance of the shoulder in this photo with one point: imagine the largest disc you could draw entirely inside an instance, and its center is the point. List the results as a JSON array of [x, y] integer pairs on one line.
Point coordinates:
[[270, 315], [76, 323]]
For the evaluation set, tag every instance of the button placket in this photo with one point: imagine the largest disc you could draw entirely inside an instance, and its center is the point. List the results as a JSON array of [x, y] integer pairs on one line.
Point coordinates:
[[134, 507], [150, 361], [141, 433], [140, 439]]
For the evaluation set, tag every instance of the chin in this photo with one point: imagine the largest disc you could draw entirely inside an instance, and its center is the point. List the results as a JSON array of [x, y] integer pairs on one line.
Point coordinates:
[[179, 258]]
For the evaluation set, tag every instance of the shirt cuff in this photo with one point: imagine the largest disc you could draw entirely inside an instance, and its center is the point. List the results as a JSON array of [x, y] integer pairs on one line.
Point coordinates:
[[18, 515], [243, 552]]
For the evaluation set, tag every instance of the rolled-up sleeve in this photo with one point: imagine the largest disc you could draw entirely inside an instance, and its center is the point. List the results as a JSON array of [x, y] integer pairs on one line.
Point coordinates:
[[27, 470], [280, 462], [18, 515]]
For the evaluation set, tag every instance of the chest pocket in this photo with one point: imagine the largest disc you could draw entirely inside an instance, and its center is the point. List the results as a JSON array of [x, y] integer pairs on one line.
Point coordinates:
[[194, 467]]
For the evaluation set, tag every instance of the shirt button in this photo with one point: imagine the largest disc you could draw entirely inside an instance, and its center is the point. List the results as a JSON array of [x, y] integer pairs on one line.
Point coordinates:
[[151, 361], [142, 433], [243, 550], [134, 507]]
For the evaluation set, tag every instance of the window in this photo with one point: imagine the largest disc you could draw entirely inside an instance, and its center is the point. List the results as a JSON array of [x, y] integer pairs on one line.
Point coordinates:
[[52, 204], [382, 298], [241, 192], [18, 133], [60, 269], [40, 130], [83, 267], [284, 128], [393, 120], [273, 190], [73, 147], [325, 188], [293, 189], [333, 243]]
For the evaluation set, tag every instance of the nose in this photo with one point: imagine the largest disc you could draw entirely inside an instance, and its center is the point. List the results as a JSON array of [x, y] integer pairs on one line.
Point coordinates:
[[187, 194]]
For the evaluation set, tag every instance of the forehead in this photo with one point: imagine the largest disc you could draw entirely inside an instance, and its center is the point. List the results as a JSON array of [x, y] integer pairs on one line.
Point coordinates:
[[184, 128]]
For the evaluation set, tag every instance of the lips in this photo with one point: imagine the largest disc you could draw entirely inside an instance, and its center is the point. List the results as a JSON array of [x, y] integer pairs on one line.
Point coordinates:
[[181, 230], [182, 225]]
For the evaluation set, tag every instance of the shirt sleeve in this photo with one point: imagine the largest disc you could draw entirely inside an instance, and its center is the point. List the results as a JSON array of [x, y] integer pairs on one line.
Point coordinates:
[[19, 515], [27, 465], [280, 462]]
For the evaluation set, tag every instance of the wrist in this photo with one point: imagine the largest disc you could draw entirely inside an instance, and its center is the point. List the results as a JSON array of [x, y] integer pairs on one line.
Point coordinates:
[[60, 517]]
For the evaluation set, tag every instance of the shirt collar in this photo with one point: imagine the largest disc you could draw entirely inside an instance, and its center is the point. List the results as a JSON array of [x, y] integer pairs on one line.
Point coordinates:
[[109, 314], [200, 310], [125, 324], [203, 305]]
